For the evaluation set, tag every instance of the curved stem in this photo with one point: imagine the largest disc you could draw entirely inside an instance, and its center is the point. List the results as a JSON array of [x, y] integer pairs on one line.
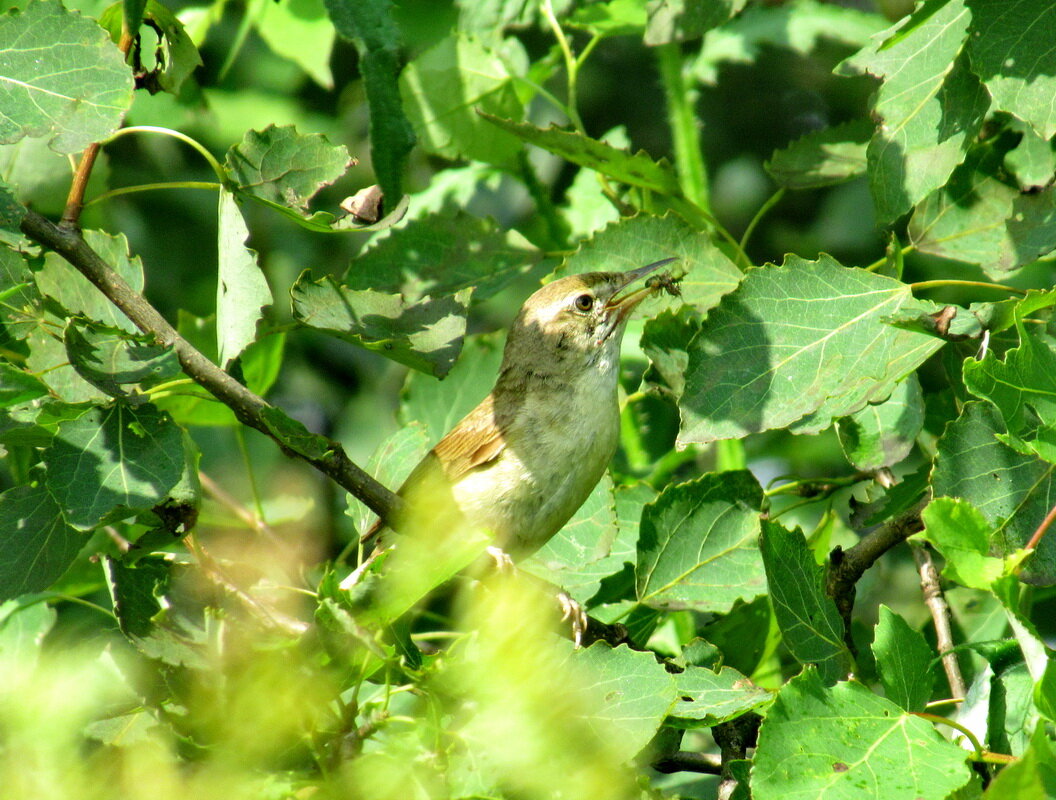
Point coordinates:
[[909, 248], [682, 119], [976, 745], [218, 170], [774, 199], [150, 187], [571, 65], [978, 284]]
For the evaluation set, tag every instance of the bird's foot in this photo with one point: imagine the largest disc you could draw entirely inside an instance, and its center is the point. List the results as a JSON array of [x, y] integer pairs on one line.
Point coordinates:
[[573, 612], [503, 563]]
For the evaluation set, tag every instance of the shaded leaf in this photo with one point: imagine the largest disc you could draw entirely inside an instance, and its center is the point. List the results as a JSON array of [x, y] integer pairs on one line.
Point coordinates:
[[11, 210], [37, 545], [18, 387], [930, 104], [707, 698], [241, 290], [884, 433], [801, 343], [810, 624], [823, 158], [904, 660], [698, 544], [446, 86], [426, 335], [111, 358], [283, 166], [60, 77], [112, 462], [844, 742], [1032, 776], [175, 59], [137, 592]]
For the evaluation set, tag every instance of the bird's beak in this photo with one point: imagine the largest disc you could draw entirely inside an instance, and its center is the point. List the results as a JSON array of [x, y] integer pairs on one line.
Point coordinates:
[[619, 307]]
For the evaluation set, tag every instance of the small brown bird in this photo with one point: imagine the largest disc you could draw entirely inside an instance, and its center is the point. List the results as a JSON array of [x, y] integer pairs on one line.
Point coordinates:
[[522, 462]]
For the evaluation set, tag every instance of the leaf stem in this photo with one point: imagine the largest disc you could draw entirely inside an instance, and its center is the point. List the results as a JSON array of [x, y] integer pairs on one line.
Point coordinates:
[[909, 248], [218, 170], [149, 187], [571, 64], [957, 727], [978, 284], [774, 199], [682, 119]]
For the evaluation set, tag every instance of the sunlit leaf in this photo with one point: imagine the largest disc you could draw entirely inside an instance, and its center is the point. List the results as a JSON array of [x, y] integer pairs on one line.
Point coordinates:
[[904, 660], [707, 698], [823, 158], [962, 535], [681, 20], [884, 433], [241, 290]]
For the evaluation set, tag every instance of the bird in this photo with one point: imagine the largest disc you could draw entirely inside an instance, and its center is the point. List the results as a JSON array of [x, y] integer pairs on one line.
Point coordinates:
[[521, 463]]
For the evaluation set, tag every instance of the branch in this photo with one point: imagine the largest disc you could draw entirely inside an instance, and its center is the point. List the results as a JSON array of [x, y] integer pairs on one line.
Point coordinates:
[[847, 566], [940, 616], [734, 738], [688, 761], [249, 408]]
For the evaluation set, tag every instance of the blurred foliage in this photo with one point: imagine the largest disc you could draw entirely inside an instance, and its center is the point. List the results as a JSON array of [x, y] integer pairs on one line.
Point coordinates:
[[340, 202]]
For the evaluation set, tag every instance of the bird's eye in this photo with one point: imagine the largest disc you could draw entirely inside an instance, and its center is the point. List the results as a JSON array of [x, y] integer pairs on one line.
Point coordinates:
[[584, 302]]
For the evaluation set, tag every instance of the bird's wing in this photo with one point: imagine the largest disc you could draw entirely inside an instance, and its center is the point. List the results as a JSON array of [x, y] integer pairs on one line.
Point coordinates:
[[473, 442]]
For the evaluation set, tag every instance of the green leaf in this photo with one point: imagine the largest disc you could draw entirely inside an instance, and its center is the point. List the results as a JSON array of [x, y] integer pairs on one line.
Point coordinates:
[[137, 590], [1032, 776], [175, 58], [60, 77], [439, 405], [810, 624], [369, 26], [1033, 160], [1023, 388], [446, 86], [58, 279], [111, 462], [18, 387], [612, 18], [628, 243], [845, 742], [883, 434], [930, 104], [962, 535], [11, 210], [426, 335], [23, 628], [665, 340], [707, 698], [241, 290], [823, 158], [280, 165], [698, 544], [1011, 50], [802, 343], [111, 358], [443, 254], [1013, 491], [802, 27], [980, 220], [391, 463], [300, 31], [633, 694], [634, 169], [37, 545], [682, 20], [904, 660]]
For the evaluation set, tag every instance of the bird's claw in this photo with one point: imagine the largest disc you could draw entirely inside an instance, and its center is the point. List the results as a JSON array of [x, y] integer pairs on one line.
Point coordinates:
[[503, 563], [575, 613]]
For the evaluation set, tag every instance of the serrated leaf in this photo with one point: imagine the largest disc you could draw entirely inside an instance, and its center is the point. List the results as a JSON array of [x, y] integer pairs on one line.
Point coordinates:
[[442, 254], [175, 57], [845, 742], [706, 698], [111, 358], [810, 624], [633, 693], [1011, 50], [634, 169], [58, 279], [698, 544], [707, 273], [930, 104], [682, 20], [1013, 491], [370, 27], [60, 77], [962, 535], [904, 660], [823, 158], [113, 461], [444, 88], [882, 434], [980, 220], [285, 167], [242, 292], [798, 344], [426, 335], [37, 545], [801, 27]]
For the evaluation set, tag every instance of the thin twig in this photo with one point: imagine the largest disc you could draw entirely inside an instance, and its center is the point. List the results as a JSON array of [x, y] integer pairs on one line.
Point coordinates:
[[734, 738], [940, 617], [687, 761], [1035, 540], [248, 407], [220, 495]]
